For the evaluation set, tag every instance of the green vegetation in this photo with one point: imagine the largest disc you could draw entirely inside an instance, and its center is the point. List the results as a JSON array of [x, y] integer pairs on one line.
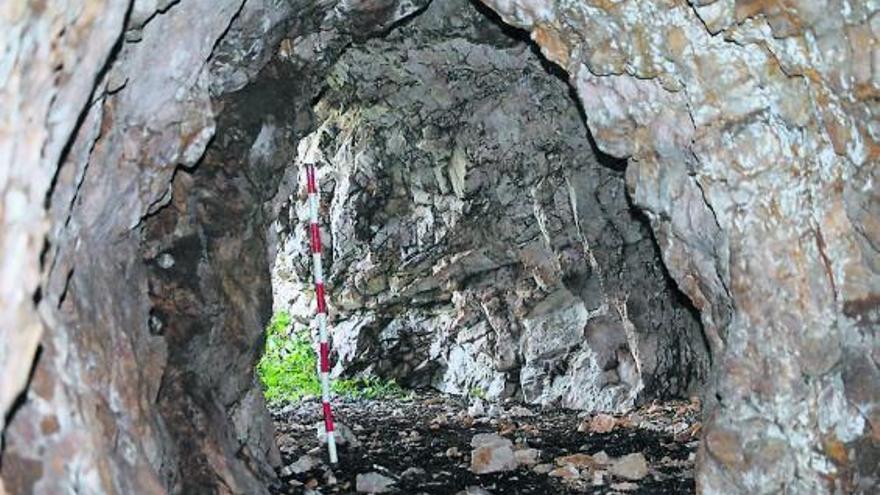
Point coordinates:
[[477, 392], [288, 368]]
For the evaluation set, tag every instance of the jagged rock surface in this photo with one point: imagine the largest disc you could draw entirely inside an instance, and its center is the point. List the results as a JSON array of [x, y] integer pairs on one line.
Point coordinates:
[[751, 129], [752, 135], [474, 241], [88, 421], [144, 379]]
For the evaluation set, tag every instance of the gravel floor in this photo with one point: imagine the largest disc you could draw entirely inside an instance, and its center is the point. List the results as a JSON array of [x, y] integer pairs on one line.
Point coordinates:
[[422, 444]]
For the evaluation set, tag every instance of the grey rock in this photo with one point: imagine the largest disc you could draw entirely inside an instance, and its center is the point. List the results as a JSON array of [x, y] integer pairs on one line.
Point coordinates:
[[752, 136], [475, 232], [412, 472], [373, 482], [519, 412], [303, 464], [631, 466], [341, 432], [543, 468], [527, 457], [491, 454]]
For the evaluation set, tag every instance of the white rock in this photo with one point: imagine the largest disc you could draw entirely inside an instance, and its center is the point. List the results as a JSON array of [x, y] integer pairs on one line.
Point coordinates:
[[373, 483], [601, 458], [343, 434], [527, 457], [477, 408], [631, 466], [485, 439], [565, 472], [519, 412], [492, 453], [303, 464]]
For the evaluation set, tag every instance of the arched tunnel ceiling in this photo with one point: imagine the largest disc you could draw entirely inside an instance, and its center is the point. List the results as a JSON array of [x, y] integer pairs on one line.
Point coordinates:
[[751, 132]]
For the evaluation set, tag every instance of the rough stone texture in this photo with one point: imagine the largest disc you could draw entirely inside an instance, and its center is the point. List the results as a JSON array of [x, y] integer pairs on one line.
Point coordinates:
[[119, 401], [89, 422], [48, 62], [752, 136], [373, 483], [631, 466], [492, 453], [473, 239]]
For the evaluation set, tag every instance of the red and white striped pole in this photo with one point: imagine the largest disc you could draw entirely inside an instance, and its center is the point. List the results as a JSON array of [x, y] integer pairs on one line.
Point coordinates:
[[321, 315]]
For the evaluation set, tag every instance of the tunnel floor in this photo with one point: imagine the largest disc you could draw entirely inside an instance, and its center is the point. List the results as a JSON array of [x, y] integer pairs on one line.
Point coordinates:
[[422, 444]]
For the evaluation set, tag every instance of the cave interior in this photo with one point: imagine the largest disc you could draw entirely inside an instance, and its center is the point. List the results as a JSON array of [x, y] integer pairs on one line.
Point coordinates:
[[582, 257]]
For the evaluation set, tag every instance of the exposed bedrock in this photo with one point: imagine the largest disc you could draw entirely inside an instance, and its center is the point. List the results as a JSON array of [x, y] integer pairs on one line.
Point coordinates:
[[151, 322], [752, 136], [474, 241], [134, 287]]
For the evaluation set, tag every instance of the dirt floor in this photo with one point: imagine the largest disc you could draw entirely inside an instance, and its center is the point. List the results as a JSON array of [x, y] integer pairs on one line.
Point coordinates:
[[422, 445]]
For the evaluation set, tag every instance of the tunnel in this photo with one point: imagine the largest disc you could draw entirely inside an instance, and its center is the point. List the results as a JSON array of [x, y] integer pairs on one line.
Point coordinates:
[[595, 247]]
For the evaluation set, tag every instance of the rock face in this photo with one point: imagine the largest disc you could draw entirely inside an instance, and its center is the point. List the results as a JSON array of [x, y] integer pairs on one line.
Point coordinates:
[[751, 136], [89, 421], [150, 322], [475, 241], [37, 86]]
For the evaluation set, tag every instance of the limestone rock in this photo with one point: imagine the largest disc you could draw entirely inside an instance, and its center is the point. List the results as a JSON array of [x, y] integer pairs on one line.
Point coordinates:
[[527, 457], [491, 454], [303, 464], [688, 89], [579, 461], [631, 466], [478, 242], [600, 423], [149, 381], [341, 432], [567, 472], [373, 483], [752, 142]]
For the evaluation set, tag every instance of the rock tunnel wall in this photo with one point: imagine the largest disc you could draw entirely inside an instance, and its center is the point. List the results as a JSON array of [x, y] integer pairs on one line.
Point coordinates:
[[474, 241], [751, 135], [145, 321], [751, 132]]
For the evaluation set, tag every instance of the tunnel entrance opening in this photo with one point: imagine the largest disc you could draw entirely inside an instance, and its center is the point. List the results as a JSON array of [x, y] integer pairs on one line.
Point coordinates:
[[476, 244], [460, 190]]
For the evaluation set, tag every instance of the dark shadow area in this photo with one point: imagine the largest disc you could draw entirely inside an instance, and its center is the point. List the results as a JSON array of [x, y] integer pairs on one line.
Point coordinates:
[[522, 35]]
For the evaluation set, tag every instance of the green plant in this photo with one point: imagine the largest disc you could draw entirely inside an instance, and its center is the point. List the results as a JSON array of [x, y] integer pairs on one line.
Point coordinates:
[[477, 392], [288, 368], [369, 388]]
